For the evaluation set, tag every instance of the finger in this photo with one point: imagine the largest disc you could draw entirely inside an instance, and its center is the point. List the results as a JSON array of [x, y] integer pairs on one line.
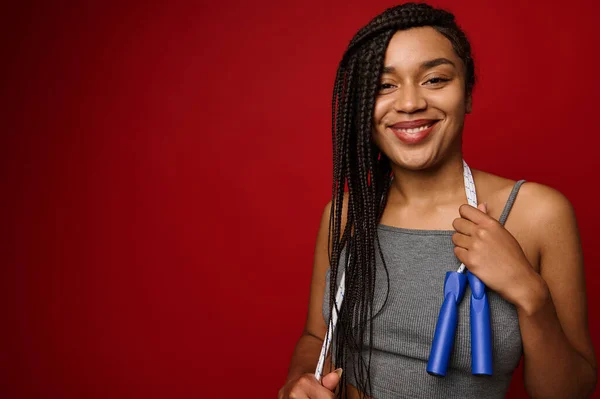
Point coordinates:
[[301, 395], [297, 394], [483, 207], [464, 226], [311, 388], [473, 214], [331, 380], [461, 240], [462, 255]]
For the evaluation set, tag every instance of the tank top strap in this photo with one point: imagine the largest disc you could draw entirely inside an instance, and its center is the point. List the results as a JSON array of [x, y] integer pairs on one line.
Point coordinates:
[[510, 201]]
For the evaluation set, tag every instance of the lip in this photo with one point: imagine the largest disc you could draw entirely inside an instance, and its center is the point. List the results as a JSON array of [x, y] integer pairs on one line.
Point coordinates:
[[413, 138], [413, 124]]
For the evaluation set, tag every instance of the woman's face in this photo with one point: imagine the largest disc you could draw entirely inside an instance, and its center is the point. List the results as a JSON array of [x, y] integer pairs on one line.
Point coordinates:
[[421, 104]]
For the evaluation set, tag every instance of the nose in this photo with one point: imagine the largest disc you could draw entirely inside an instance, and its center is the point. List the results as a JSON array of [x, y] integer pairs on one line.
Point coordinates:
[[409, 99]]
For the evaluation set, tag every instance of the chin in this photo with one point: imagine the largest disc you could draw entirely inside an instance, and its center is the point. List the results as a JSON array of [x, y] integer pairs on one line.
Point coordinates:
[[415, 163], [414, 160]]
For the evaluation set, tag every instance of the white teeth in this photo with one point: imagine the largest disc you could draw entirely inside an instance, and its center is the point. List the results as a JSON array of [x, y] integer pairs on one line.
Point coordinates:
[[415, 130]]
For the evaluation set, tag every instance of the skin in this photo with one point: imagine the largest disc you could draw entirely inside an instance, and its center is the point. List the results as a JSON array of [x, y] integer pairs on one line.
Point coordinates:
[[534, 261]]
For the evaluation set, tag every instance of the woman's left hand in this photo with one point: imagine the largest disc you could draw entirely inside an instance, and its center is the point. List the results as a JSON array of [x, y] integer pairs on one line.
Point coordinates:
[[491, 253]]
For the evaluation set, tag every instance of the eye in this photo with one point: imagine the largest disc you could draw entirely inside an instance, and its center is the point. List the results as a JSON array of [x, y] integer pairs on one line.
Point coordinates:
[[385, 87], [437, 81]]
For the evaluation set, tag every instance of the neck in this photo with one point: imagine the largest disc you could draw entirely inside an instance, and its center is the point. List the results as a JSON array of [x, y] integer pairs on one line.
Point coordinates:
[[439, 185]]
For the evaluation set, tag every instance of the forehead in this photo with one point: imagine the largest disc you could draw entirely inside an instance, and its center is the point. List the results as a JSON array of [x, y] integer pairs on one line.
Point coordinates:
[[409, 48]]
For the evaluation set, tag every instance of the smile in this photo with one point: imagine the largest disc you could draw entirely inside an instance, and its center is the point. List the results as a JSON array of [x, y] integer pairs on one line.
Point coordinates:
[[413, 135], [415, 130]]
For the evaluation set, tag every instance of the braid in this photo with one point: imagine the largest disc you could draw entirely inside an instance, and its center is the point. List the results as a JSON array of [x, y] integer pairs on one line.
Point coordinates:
[[409, 15], [359, 164]]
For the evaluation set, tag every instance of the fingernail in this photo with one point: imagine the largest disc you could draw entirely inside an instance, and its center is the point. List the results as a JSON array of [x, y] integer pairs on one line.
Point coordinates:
[[339, 372]]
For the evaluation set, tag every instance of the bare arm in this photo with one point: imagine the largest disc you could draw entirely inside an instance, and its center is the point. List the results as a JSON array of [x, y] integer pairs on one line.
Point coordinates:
[[559, 359], [300, 379], [306, 353]]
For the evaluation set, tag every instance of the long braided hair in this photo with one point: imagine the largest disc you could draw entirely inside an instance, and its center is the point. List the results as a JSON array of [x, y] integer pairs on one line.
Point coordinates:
[[366, 171]]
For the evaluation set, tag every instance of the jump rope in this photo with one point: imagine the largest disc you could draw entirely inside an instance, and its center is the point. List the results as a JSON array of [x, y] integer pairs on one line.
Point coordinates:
[[455, 285]]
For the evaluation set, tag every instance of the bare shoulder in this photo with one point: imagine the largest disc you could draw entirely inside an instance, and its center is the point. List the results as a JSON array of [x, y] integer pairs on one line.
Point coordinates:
[[540, 217], [544, 201], [541, 203], [550, 214]]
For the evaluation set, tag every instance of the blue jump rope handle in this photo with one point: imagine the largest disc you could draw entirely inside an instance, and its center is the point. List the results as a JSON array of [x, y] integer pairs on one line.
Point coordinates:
[[481, 328], [443, 340]]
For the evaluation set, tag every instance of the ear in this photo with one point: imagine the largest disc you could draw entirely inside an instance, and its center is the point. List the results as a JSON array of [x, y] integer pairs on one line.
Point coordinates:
[[469, 104]]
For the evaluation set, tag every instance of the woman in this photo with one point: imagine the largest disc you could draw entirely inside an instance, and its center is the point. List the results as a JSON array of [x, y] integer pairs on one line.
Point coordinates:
[[401, 94]]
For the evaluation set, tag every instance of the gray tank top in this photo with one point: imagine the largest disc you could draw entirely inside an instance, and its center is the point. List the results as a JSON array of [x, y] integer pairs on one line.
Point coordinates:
[[417, 262]]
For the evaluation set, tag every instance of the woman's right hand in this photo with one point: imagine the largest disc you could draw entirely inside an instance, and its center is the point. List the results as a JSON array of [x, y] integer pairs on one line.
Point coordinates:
[[307, 387]]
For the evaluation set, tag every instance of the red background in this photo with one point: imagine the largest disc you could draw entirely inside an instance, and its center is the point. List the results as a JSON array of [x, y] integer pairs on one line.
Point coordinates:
[[165, 166]]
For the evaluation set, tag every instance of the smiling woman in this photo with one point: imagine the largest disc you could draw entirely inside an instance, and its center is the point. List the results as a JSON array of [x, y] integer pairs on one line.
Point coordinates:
[[401, 94]]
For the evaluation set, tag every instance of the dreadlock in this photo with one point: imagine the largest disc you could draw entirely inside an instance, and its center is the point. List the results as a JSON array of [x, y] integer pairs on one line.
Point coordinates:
[[366, 171]]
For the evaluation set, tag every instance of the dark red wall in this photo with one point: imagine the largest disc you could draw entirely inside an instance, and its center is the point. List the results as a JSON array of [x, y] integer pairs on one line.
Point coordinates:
[[164, 167]]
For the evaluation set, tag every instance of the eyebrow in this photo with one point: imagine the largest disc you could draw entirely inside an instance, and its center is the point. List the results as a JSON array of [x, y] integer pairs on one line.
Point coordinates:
[[426, 65]]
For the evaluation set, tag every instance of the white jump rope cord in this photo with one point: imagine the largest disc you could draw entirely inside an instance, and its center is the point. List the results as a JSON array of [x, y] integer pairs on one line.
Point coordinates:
[[339, 295]]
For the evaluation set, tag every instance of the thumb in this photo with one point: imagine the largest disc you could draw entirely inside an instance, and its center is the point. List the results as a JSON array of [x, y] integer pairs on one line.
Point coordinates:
[[331, 380], [482, 207]]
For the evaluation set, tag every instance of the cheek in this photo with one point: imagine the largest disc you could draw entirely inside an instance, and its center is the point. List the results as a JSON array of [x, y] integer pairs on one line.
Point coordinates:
[[379, 121], [382, 105], [451, 102], [458, 105]]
